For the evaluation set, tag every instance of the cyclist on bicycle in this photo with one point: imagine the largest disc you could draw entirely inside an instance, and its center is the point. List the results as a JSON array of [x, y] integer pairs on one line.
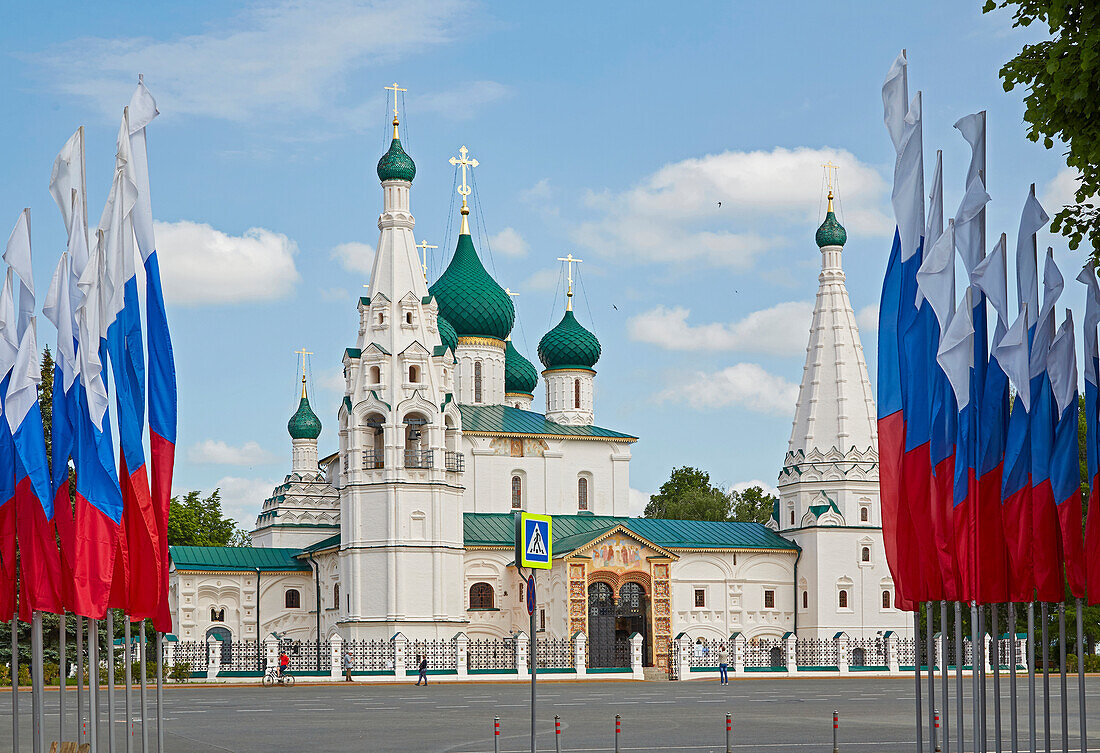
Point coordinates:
[[284, 662]]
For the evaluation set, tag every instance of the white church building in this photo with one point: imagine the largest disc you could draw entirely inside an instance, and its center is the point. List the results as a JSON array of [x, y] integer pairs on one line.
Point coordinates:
[[408, 527]]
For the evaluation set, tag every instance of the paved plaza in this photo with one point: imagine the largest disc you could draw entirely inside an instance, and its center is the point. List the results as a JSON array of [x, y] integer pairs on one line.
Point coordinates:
[[794, 714]]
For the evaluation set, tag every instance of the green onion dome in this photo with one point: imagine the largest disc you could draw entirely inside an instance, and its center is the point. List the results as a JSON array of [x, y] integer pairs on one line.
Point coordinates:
[[395, 164], [831, 232], [447, 334], [470, 299], [519, 373], [304, 424], [569, 345]]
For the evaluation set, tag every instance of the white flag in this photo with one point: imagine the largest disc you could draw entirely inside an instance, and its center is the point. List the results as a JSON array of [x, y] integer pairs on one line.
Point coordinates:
[[967, 225], [58, 309], [935, 204], [936, 276], [9, 339], [68, 176], [904, 124], [1092, 318], [1032, 220], [991, 277], [1062, 365], [1044, 327], [972, 128], [18, 257], [1012, 354], [956, 352], [142, 110]]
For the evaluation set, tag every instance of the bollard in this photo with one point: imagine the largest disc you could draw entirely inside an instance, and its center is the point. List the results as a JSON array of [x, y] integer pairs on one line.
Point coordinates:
[[618, 731], [836, 726], [729, 729], [936, 727], [557, 733], [496, 734]]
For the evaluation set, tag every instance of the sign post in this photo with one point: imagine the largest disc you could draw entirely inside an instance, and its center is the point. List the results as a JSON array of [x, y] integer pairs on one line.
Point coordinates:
[[533, 551]]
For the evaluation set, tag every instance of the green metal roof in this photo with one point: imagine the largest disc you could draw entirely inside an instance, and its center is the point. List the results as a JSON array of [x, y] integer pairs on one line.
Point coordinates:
[[328, 543], [574, 531], [519, 373], [353, 352], [470, 299], [447, 334], [395, 164], [235, 558], [504, 419], [569, 346], [304, 424], [831, 232]]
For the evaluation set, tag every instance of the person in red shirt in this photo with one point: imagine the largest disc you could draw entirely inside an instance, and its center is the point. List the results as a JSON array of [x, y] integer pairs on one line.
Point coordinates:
[[284, 662]]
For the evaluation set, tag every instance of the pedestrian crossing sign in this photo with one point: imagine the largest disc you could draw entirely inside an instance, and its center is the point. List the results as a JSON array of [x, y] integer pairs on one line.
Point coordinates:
[[533, 542]]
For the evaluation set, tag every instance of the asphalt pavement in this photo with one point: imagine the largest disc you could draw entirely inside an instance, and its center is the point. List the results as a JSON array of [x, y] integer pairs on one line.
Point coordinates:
[[769, 714]]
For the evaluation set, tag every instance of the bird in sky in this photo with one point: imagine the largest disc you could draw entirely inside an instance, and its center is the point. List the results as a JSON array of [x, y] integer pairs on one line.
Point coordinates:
[[719, 205]]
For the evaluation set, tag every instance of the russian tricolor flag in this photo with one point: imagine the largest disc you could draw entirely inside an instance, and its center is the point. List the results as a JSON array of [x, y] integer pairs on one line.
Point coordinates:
[[1092, 428], [9, 346]]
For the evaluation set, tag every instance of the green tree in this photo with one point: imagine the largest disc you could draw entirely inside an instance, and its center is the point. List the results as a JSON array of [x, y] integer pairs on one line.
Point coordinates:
[[689, 495], [194, 521], [45, 396], [751, 505], [1062, 77]]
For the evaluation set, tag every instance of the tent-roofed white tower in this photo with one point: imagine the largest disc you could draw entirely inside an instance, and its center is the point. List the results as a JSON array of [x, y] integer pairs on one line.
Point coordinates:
[[828, 488]]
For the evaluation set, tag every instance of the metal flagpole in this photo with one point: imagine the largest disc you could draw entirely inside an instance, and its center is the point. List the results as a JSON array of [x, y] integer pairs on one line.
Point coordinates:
[[996, 664], [534, 664], [945, 660], [160, 691], [110, 681], [37, 727], [979, 668], [128, 674], [916, 677], [959, 719], [1081, 677], [1031, 676], [141, 670], [1013, 660], [975, 679], [1046, 675], [62, 675], [93, 684], [79, 679], [1062, 675], [930, 657], [15, 679]]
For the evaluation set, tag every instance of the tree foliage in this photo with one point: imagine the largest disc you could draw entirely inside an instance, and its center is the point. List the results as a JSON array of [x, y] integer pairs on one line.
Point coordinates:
[[195, 521], [1062, 76], [689, 495]]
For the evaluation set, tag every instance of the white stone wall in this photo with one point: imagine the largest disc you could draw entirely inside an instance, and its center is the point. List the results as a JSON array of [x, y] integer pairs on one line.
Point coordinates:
[[472, 351], [196, 593], [561, 396]]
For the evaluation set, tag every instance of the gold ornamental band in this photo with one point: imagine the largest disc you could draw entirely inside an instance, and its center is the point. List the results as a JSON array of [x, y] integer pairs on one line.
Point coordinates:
[[482, 342]]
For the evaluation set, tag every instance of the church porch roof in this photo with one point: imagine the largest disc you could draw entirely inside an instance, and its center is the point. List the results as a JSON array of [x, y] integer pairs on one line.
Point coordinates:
[[243, 558]]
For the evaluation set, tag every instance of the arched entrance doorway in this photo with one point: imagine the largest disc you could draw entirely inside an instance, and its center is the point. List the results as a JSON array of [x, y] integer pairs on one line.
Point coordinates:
[[612, 621], [226, 639]]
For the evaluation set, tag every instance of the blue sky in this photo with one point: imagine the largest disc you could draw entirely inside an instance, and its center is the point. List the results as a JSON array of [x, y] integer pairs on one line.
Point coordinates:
[[609, 130]]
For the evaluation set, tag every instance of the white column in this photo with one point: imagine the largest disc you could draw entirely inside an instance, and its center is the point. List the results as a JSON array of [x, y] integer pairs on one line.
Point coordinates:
[[336, 656], [400, 644], [892, 662], [685, 655], [580, 658], [462, 645], [523, 647], [213, 657], [792, 652], [636, 656], [271, 647], [738, 642], [841, 640]]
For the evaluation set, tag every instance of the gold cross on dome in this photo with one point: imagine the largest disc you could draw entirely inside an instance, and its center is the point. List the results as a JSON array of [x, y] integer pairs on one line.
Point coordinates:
[[830, 174], [395, 89], [510, 293], [570, 261], [464, 190], [424, 246]]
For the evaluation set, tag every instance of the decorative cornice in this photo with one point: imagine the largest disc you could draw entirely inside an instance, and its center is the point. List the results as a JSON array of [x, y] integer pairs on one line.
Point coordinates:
[[480, 342]]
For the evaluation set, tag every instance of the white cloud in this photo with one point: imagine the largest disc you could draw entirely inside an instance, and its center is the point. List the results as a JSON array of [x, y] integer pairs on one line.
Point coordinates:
[[673, 215], [217, 452], [744, 385], [741, 486], [636, 503], [355, 256], [202, 265], [544, 279], [867, 318], [1060, 191], [463, 101], [509, 242], [333, 294], [242, 498], [781, 330], [275, 58]]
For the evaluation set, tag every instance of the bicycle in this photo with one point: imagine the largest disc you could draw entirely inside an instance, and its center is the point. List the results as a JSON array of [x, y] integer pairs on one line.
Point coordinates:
[[273, 677]]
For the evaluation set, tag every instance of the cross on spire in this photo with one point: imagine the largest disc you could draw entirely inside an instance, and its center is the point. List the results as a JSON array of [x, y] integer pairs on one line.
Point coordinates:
[[302, 353], [395, 89], [424, 246], [569, 261], [464, 189]]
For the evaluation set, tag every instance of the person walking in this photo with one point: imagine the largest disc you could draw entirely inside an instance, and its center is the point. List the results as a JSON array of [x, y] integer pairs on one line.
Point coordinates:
[[347, 664], [723, 664], [423, 671]]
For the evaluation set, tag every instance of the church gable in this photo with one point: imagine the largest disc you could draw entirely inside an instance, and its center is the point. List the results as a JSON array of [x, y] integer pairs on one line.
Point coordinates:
[[619, 549]]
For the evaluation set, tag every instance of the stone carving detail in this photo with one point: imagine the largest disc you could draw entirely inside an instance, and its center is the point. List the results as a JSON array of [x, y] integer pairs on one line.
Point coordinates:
[[578, 598]]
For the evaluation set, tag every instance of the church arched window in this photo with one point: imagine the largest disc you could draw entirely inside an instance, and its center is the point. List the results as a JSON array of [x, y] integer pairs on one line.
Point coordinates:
[[842, 599], [805, 599], [576, 393], [335, 595], [582, 493], [477, 381], [885, 599], [293, 599], [864, 515], [414, 374], [865, 554], [481, 596], [517, 492], [375, 375]]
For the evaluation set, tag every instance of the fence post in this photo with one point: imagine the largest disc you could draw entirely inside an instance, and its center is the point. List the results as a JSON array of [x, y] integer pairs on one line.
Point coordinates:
[[791, 648], [636, 656], [400, 645], [336, 656], [685, 656], [169, 651], [1021, 649], [891, 640], [987, 642], [580, 656], [841, 640], [523, 646], [738, 642], [271, 647], [462, 648], [213, 657]]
